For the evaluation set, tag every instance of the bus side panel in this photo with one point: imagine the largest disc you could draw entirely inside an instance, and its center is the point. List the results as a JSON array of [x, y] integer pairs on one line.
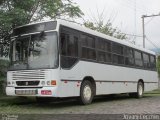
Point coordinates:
[[109, 79], [68, 89], [150, 86], [115, 87]]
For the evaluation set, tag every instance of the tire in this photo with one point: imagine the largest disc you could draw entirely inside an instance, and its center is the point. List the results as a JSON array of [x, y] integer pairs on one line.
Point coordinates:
[[140, 89], [86, 93], [139, 93]]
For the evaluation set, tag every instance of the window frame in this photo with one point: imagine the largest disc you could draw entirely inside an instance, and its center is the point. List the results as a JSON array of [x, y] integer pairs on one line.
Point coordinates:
[[96, 49], [118, 54], [104, 51], [72, 33], [138, 59], [88, 47]]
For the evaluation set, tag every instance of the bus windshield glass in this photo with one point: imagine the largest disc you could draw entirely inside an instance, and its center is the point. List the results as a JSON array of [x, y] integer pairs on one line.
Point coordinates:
[[36, 51]]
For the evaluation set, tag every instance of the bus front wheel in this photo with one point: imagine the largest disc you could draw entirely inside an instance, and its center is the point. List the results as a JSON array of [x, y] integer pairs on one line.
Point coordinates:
[[86, 92]]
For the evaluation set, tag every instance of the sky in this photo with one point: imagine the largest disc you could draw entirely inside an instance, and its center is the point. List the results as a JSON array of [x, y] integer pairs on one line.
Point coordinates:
[[126, 16]]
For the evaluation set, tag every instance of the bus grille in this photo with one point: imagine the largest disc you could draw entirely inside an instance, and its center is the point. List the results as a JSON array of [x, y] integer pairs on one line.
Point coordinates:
[[27, 83], [29, 75]]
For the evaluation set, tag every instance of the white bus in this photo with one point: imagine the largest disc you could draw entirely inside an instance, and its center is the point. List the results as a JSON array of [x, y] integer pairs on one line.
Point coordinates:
[[62, 59]]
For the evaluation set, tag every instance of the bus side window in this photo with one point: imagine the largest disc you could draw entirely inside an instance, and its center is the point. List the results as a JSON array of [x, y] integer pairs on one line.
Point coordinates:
[[69, 50], [146, 62], [152, 62], [104, 50], [88, 47], [118, 53], [64, 40], [138, 58], [129, 57]]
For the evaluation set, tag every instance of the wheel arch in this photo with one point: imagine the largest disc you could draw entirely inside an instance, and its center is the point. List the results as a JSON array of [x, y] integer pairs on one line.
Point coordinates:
[[141, 80], [91, 79]]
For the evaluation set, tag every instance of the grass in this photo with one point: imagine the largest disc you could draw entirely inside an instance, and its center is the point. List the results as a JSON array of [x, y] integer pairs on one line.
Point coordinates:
[[153, 93], [157, 91]]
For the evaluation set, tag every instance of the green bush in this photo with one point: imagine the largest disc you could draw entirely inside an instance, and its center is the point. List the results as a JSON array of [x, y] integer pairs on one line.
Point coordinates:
[[2, 88], [3, 68]]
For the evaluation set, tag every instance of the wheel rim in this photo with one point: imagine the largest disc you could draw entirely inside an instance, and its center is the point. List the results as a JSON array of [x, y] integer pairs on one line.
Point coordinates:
[[140, 90], [87, 92]]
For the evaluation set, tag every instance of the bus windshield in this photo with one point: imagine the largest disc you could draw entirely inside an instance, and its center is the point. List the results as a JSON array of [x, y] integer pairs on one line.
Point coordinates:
[[36, 51]]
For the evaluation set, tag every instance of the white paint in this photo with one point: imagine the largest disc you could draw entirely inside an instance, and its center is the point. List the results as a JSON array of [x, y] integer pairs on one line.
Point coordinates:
[[100, 72]]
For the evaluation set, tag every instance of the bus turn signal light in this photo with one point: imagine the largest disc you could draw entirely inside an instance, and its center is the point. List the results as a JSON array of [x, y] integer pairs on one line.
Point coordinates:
[[53, 82]]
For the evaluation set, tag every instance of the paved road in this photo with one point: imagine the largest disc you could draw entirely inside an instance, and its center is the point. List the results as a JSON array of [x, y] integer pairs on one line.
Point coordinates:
[[103, 105], [116, 105]]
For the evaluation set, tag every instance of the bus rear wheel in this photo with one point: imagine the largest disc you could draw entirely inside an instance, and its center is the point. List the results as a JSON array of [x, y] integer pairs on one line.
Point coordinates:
[[140, 90], [86, 92]]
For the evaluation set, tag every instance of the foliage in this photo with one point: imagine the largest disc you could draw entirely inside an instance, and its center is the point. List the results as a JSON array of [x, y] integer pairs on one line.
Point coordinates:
[[3, 68], [18, 12], [107, 29]]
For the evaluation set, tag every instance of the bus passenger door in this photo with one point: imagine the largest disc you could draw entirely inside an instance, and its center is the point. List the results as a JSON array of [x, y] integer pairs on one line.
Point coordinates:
[[69, 60]]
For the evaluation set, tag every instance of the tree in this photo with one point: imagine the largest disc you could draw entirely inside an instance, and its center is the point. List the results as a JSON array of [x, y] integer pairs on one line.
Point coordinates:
[[18, 12], [107, 29]]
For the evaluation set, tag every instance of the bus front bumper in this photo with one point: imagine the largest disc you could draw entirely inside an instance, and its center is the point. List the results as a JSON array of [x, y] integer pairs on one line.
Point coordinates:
[[41, 92]]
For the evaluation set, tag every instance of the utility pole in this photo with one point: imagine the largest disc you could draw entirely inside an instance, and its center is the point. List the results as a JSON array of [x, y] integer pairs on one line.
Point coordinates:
[[143, 26], [143, 31]]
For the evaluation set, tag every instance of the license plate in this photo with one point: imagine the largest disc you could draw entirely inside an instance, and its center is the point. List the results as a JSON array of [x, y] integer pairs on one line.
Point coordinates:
[[26, 92]]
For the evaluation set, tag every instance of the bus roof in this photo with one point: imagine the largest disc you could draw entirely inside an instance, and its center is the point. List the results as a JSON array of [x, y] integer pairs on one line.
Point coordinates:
[[92, 32]]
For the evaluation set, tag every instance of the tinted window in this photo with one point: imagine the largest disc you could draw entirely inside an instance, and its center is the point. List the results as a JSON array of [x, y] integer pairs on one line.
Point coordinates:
[[118, 59], [64, 38], [88, 41], [128, 52], [104, 45], [69, 49], [104, 57], [138, 58], [69, 45], [88, 53], [118, 53], [117, 48], [88, 47], [129, 57], [129, 61], [146, 57], [152, 62], [72, 46], [137, 55], [146, 60], [67, 62], [138, 63]]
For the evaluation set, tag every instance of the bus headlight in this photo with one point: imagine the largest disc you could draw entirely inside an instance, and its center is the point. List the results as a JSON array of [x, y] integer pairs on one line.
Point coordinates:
[[48, 83], [8, 83], [43, 83], [13, 83]]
